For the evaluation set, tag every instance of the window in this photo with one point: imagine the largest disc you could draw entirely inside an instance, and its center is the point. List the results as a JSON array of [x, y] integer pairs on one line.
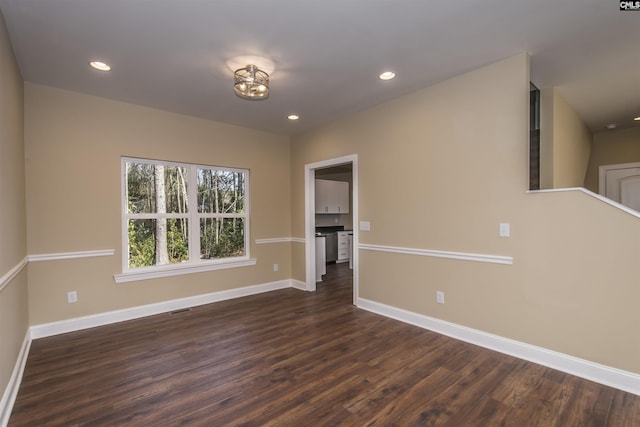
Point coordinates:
[[534, 137], [182, 215]]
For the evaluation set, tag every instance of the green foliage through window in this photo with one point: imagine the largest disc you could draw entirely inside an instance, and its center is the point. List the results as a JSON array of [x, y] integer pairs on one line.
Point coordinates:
[[161, 227]]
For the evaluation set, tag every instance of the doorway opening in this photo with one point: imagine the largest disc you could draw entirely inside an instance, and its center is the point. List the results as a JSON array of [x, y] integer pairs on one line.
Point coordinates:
[[621, 183], [534, 137], [331, 218]]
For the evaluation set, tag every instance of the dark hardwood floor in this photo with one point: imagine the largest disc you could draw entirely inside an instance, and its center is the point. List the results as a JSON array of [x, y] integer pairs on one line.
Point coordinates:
[[291, 358]]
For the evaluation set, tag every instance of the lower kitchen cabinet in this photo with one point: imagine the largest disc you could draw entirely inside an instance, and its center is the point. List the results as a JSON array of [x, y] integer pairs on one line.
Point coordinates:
[[344, 252]]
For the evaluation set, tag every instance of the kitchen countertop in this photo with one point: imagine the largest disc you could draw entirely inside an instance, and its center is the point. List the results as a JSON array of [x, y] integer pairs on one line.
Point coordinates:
[[331, 229]]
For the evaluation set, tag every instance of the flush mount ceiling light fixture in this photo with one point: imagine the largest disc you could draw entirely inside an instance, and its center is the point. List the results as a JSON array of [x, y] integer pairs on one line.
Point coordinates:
[[100, 66], [387, 75], [251, 83]]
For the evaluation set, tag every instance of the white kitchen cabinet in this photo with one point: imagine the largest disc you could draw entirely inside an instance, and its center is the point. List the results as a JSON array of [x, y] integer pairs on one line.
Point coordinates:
[[332, 197], [344, 251], [321, 196], [341, 194], [321, 265]]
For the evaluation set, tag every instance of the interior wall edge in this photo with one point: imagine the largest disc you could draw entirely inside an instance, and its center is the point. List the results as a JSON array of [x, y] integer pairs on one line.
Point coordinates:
[[592, 371], [591, 194]]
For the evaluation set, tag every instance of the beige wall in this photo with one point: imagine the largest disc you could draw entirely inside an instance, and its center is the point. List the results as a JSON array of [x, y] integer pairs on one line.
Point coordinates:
[[566, 290], [612, 148], [13, 293], [73, 147], [565, 143]]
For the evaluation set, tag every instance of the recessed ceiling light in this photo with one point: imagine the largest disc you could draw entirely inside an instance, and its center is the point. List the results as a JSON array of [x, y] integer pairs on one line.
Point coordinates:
[[293, 117], [387, 75], [100, 66], [637, 119], [612, 126]]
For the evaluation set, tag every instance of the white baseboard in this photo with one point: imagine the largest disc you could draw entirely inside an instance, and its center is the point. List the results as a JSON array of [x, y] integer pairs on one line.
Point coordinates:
[[613, 377], [11, 391], [78, 323], [298, 284]]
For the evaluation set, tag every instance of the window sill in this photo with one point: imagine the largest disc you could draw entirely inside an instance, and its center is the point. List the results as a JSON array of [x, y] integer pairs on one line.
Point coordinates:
[[176, 270]]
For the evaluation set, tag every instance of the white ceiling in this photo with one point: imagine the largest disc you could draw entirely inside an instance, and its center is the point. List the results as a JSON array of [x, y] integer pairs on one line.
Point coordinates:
[[172, 54]]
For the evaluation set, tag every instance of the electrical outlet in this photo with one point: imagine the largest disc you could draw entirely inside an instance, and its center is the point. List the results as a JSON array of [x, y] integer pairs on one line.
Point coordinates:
[[505, 229], [440, 297], [72, 296], [275, 267]]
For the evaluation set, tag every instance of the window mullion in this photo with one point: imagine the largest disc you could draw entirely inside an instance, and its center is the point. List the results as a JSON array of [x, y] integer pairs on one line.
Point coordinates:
[[194, 221], [247, 218]]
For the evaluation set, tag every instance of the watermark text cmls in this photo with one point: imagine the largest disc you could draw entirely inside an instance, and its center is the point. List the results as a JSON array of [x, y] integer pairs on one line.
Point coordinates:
[[630, 5]]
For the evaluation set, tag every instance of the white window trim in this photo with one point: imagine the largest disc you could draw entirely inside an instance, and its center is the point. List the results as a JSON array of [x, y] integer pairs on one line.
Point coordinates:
[[145, 273], [195, 265]]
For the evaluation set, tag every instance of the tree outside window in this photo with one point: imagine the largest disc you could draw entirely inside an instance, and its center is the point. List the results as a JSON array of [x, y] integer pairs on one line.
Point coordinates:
[[181, 213]]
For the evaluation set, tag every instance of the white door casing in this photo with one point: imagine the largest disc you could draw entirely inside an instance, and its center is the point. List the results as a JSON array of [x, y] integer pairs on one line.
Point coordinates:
[[630, 192], [310, 247], [621, 183]]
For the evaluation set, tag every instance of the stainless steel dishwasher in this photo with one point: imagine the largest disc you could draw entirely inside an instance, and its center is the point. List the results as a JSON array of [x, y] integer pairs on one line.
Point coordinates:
[[332, 246]]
